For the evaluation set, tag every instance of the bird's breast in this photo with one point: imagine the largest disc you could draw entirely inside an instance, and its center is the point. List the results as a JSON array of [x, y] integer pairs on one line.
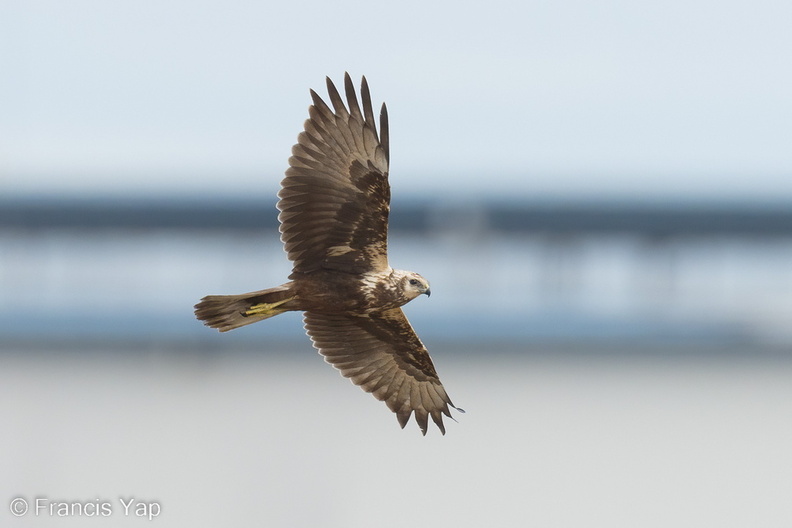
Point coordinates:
[[335, 292]]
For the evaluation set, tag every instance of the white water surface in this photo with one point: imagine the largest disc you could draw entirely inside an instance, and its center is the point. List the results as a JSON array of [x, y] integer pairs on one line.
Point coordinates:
[[551, 437]]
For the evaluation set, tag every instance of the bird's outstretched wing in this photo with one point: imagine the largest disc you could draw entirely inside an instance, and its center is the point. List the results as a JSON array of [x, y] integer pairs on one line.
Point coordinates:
[[382, 354], [335, 198]]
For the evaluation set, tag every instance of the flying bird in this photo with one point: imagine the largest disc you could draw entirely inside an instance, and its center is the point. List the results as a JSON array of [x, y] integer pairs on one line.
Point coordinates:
[[334, 205]]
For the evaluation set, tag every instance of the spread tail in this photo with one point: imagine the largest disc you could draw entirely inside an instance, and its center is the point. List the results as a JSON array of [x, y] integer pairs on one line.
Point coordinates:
[[226, 312]]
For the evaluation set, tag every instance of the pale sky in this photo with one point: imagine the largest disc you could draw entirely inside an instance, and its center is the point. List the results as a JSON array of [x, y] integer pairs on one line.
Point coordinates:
[[615, 98]]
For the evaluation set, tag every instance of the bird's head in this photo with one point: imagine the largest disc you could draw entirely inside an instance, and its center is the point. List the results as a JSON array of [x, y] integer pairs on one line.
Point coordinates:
[[414, 285]]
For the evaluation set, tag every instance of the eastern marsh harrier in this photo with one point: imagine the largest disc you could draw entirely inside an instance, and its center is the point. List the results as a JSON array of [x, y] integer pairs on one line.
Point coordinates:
[[334, 206]]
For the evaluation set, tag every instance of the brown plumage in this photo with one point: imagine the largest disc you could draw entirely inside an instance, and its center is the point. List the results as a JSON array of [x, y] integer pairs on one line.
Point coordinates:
[[334, 206]]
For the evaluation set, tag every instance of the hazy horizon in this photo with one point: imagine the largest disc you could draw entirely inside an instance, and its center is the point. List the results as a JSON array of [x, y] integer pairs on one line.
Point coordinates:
[[566, 98]]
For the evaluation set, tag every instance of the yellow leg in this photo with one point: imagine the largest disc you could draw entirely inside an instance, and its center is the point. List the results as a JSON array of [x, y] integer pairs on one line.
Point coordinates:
[[266, 308]]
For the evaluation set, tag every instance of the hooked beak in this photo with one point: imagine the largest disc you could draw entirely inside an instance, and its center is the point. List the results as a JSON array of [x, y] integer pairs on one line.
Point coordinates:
[[428, 292]]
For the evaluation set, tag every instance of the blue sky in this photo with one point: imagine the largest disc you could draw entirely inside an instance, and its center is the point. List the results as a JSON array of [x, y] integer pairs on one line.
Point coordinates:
[[566, 98]]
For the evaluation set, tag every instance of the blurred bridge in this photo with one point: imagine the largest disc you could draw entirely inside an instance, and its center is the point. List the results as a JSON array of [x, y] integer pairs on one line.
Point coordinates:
[[656, 272], [555, 217]]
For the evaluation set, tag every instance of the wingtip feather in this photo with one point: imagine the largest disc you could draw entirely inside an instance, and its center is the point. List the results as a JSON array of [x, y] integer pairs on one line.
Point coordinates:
[[403, 417], [437, 418]]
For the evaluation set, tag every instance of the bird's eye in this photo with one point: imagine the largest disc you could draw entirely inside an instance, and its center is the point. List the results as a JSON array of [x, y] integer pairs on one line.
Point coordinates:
[[414, 282]]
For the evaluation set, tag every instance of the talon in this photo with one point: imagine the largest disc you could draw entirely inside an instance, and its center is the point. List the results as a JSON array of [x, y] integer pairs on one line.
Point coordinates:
[[263, 308]]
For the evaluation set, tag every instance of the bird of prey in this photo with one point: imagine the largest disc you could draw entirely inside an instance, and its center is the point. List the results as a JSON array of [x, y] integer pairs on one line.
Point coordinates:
[[334, 205]]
